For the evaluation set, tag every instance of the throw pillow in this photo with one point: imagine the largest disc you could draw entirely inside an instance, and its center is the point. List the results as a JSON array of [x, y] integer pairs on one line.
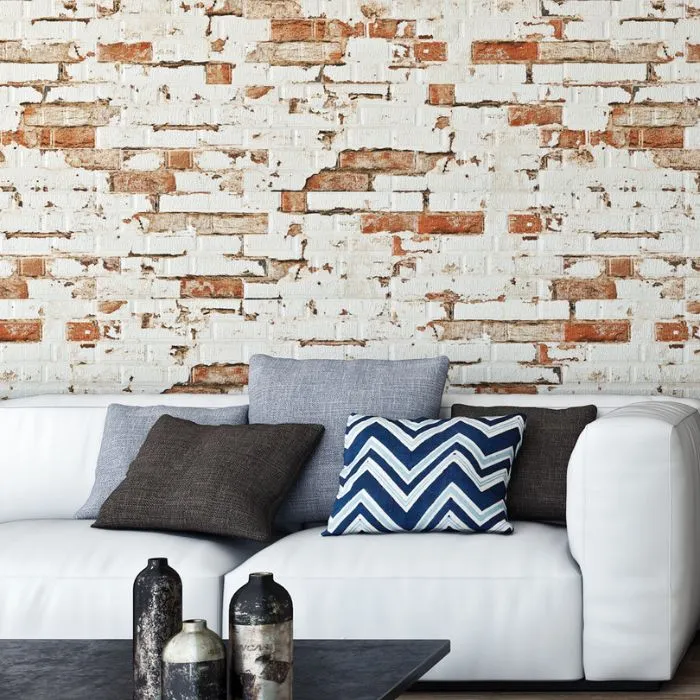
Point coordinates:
[[537, 489], [125, 430], [224, 480], [327, 392], [426, 475]]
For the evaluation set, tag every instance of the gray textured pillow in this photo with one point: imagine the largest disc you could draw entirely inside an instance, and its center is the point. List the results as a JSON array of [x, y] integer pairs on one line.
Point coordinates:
[[223, 480], [327, 392], [537, 489], [126, 428]]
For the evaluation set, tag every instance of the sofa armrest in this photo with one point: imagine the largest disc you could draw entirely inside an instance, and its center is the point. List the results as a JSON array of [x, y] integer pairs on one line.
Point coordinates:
[[633, 520]]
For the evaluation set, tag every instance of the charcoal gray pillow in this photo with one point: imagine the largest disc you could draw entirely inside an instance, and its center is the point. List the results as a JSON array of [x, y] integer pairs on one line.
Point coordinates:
[[126, 428], [327, 392], [537, 489], [223, 480]]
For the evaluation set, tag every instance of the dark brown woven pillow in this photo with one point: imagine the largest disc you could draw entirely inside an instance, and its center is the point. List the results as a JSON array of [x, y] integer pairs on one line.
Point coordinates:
[[217, 479], [537, 489]]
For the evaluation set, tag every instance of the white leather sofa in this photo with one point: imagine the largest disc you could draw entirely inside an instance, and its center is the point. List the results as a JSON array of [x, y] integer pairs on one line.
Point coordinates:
[[614, 596]]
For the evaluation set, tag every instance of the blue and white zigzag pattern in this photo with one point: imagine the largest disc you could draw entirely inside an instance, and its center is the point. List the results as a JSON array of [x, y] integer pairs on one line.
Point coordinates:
[[426, 475]]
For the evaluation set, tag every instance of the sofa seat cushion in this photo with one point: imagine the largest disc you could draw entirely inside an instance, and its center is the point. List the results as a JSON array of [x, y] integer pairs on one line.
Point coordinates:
[[64, 579], [511, 606]]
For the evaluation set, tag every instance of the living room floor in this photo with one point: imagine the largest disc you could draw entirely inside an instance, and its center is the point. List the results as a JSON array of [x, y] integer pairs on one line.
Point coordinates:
[[685, 685]]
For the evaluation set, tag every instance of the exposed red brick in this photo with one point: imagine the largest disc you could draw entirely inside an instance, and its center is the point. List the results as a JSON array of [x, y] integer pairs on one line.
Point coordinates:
[[255, 92], [82, 331], [223, 374], [332, 29], [524, 115], [110, 306], [32, 267], [330, 181], [219, 73], [442, 122], [397, 248], [524, 223], [211, 287], [293, 202], [559, 25], [392, 29], [504, 51], [660, 137], [597, 331], [384, 160], [496, 388], [12, 331], [430, 51], [139, 52], [671, 331], [75, 137], [617, 138], [620, 267], [693, 53], [441, 94], [179, 160], [155, 182], [447, 222], [389, 223], [292, 29], [575, 289], [60, 137], [313, 30], [13, 288], [562, 138]]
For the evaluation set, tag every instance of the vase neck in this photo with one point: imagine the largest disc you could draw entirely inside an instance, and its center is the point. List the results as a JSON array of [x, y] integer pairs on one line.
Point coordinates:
[[191, 626], [260, 578], [157, 563]]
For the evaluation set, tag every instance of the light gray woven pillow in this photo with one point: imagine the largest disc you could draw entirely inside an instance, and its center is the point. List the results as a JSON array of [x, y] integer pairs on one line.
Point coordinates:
[[326, 392], [126, 428]]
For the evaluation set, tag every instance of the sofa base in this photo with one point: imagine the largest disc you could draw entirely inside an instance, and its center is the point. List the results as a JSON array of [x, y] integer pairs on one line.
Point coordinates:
[[534, 686]]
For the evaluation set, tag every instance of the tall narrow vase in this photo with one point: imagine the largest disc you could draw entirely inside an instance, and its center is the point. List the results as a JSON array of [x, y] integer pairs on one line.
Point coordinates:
[[194, 664], [261, 639], [157, 618]]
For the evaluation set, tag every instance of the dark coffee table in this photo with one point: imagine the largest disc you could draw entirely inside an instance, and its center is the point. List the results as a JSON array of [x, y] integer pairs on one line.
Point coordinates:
[[76, 669]]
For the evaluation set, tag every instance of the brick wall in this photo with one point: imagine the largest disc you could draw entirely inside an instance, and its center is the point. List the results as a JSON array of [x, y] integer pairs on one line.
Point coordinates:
[[512, 183]]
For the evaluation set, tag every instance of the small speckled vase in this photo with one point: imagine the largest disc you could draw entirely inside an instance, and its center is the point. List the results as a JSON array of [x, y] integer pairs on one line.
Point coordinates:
[[261, 639], [157, 618], [194, 664]]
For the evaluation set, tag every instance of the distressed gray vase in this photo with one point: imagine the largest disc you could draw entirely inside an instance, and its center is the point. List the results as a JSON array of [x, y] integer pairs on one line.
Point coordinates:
[[157, 618], [194, 664], [261, 639]]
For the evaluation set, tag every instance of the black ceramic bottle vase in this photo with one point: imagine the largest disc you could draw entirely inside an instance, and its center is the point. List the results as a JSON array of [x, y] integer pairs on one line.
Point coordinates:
[[194, 664], [261, 641], [157, 618]]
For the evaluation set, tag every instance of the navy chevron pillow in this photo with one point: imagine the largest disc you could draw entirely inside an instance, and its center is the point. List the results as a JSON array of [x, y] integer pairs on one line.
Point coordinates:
[[426, 475]]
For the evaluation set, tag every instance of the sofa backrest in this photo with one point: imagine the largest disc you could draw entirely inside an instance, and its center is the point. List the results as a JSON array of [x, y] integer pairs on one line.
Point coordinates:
[[50, 443], [603, 402]]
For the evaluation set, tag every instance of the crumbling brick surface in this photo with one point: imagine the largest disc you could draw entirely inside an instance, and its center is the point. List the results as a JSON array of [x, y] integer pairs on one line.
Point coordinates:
[[511, 184]]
